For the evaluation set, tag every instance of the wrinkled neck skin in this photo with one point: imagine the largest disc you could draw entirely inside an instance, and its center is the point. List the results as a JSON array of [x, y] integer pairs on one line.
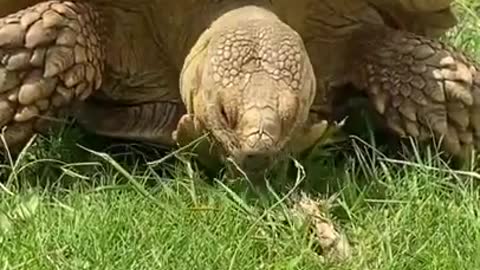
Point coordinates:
[[250, 83]]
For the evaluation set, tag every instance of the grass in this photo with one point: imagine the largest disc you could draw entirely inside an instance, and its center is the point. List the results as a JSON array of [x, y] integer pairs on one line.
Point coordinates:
[[64, 207]]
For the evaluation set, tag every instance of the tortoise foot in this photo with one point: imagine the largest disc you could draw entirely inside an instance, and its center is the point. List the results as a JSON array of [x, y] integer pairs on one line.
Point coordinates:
[[50, 54], [422, 87]]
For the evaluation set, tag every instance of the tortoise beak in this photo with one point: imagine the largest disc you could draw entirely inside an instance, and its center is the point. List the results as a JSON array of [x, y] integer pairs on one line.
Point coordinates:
[[255, 162]]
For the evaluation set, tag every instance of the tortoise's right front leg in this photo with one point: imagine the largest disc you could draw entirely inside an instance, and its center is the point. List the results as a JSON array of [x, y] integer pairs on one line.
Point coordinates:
[[50, 54]]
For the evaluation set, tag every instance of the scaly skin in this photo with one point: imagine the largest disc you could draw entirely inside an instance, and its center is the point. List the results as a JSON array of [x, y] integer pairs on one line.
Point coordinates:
[[148, 122], [250, 83], [50, 54], [253, 98], [248, 79], [422, 87], [54, 56]]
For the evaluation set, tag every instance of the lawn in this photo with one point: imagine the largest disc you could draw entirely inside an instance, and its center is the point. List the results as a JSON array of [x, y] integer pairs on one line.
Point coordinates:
[[64, 206]]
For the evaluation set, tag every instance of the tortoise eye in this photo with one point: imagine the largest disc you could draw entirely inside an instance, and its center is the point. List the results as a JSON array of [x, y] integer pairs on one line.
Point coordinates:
[[227, 117], [224, 115]]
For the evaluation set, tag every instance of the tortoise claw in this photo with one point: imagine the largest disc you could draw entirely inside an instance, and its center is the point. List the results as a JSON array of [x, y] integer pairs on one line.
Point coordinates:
[[186, 131], [51, 55], [190, 131]]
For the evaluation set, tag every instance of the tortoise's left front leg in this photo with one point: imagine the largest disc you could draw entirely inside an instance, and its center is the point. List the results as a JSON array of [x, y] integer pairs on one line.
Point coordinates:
[[422, 87]]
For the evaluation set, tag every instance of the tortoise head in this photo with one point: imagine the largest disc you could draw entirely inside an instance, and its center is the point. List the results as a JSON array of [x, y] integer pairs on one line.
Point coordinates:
[[249, 81]]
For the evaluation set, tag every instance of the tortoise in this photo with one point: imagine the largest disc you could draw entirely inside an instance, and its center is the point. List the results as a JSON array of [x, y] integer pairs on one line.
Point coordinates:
[[258, 76]]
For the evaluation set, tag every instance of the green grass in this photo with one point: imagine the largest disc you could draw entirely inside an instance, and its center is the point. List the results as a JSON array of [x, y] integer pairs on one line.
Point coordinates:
[[64, 207]]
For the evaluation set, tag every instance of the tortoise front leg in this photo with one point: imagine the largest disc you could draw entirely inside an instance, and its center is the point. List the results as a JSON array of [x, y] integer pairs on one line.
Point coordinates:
[[422, 87], [50, 54]]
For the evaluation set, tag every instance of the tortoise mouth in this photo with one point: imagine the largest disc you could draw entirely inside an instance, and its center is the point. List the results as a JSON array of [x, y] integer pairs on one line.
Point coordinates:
[[254, 164]]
